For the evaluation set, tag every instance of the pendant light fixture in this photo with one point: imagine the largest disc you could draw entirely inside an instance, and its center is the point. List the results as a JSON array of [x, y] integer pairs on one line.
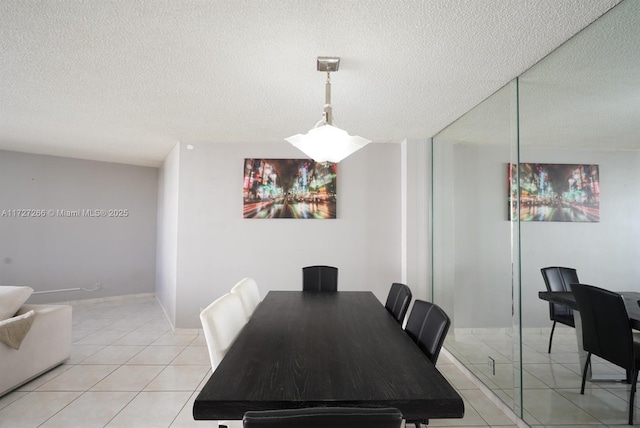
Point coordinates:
[[325, 142]]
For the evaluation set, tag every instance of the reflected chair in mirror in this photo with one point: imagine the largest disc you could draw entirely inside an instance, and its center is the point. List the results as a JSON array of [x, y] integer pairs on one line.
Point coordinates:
[[247, 290], [398, 301], [607, 333], [558, 278], [319, 278], [221, 322], [321, 417]]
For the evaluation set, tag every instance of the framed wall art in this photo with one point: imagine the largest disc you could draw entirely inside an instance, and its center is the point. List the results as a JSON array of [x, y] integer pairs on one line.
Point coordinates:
[[289, 188], [555, 192]]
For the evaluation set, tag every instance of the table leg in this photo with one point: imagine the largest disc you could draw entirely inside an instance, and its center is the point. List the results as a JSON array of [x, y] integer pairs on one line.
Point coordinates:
[[582, 354]]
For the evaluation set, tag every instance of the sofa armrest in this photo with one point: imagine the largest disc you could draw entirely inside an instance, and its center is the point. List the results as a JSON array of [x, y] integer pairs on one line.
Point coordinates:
[[47, 345]]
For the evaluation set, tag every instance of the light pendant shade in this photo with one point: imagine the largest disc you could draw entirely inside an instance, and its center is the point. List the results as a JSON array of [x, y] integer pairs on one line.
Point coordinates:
[[327, 143]]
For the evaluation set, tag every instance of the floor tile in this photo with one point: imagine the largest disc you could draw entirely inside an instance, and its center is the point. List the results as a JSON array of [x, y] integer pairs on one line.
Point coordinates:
[[113, 354], [81, 352], [193, 355], [199, 340], [91, 410], [151, 410], [101, 337], [128, 378], [609, 408], [156, 325], [127, 324], [78, 378], [94, 323], [178, 378], [79, 334], [554, 375], [9, 398], [139, 337], [169, 338], [204, 381], [35, 408], [550, 407], [157, 355]]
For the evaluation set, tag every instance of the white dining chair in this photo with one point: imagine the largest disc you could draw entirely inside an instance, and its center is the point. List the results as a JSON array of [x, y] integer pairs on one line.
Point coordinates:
[[221, 322], [247, 290]]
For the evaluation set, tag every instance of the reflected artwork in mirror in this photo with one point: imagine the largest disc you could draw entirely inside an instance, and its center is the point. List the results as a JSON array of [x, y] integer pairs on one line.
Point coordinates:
[[555, 192]]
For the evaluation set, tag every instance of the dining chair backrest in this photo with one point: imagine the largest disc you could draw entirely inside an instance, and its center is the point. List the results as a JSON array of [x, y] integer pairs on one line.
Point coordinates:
[[398, 301], [221, 322], [606, 330], [319, 278], [247, 290], [557, 278], [324, 417], [428, 325]]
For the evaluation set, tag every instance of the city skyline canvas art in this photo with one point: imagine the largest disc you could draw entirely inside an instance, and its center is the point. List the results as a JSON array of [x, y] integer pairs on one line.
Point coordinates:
[[289, 188]]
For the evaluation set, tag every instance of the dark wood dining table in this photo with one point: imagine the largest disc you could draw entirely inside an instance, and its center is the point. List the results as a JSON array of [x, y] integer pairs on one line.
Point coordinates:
[[631, 299], [319, 349]]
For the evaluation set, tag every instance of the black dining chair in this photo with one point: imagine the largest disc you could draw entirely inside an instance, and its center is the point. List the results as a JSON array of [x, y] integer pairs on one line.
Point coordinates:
[[558, 278], [319, 278], [398, 301], [428, 325], [606, 332], [324, 417]]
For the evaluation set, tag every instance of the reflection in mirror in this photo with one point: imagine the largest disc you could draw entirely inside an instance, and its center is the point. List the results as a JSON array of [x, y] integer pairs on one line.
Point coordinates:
[[580, 106]]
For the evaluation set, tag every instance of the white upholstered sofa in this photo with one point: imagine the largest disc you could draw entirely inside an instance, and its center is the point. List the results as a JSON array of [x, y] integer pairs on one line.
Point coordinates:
[[45, 344]]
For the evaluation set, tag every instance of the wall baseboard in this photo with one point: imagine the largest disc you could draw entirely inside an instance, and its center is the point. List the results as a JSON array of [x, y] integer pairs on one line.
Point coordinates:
[[124, 297]]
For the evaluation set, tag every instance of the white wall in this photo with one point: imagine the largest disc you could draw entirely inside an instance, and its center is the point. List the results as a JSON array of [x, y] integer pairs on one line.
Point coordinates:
[[217, 247], [56, 252], [167, 233]]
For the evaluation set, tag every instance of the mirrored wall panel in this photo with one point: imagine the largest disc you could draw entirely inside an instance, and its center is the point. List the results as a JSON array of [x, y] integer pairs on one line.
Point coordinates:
[[563, 141], [580, 199]]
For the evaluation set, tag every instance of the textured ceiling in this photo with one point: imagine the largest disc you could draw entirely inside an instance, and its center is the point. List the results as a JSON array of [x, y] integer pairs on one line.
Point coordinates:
[[123, 81]]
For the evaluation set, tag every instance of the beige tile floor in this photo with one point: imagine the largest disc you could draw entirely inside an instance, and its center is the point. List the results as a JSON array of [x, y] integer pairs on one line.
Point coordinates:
[[128, 369]]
